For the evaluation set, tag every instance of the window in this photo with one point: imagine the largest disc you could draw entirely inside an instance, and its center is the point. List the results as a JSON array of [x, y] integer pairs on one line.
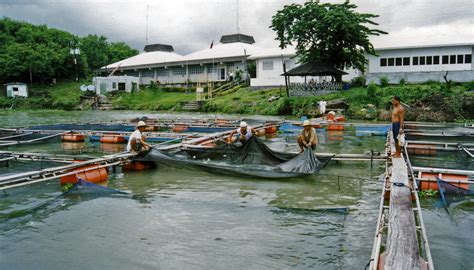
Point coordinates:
[[267, 65], [15, 89], [148, 73], [121, 86], [415, 60], [422, 60], [436, 60], [460, 58], [398, 61], [445, 59], [406, 61], [196, 69], [452, 59], [211, 69], [383, 62], [114, 85], [179, 71], [429, 60], [162, 72], [468, 58], [391, 61]]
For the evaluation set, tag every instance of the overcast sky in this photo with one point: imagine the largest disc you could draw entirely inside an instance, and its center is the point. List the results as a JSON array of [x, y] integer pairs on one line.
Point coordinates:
[[192, 25]]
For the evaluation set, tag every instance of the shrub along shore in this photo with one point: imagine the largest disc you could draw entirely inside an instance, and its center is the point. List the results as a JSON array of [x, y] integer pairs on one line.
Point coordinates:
[[431, 101]]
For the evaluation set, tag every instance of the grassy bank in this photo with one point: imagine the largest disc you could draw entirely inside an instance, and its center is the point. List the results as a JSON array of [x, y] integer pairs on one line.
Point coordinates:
[[61, 96], [430, 101]]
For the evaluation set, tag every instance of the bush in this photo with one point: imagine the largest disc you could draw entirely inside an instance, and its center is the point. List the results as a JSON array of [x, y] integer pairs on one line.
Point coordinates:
[[371, 91], [402, 82], [359, 81], [384, 81]]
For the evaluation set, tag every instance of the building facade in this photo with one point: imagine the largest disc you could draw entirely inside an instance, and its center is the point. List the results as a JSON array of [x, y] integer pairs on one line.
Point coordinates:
[[115, 83], [422, 63], [160, 64]]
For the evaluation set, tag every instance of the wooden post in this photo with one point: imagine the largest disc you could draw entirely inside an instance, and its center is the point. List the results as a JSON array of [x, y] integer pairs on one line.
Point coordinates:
[[402, 243], [286, 80]]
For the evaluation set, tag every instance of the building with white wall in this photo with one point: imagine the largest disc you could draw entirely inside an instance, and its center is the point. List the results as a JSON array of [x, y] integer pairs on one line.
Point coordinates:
[[422, 63], [218, 63], [159, 63], [103, 85], [16, 89]]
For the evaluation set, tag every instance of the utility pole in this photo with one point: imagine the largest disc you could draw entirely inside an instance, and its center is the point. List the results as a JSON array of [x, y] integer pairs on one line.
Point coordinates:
[[75, 51]]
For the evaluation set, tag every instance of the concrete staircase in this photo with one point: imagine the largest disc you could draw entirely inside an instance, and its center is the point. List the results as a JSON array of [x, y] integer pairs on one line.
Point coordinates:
[[192, 106]]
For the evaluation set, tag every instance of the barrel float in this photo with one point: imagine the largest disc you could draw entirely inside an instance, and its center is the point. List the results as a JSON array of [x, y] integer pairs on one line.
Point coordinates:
[[110, 138], [97, 175], [138, 166], [72, 137], [271, 129], [335, 135], [428, 180], [422, 149], [335, 127], [179, 128], [340, 119]]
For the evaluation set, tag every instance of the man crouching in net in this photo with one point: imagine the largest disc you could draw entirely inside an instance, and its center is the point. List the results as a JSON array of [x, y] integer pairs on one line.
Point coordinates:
[[308, 137], [136, 142], [244, 133]]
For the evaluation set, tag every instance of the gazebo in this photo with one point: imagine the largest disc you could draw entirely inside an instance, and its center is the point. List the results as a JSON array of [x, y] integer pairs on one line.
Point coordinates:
[[312, 88]]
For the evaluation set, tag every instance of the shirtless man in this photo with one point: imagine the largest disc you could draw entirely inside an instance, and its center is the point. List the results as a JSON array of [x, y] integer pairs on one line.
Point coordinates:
[[398, 115]]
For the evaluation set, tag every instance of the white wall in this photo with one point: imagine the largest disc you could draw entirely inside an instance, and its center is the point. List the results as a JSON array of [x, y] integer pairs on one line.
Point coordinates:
[[22, 90], [109, 83], [374, 61], [273, 77]]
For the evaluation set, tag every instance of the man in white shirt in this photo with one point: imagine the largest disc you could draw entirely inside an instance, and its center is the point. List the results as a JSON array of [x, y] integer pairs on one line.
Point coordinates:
[[244, 133], [322, 106], [136, 142]]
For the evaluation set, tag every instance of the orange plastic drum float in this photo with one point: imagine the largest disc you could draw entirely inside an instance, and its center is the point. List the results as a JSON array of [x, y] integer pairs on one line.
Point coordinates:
[[72, 137], [111, 138], [422, 149], [97, 175], [271, 129], [138, 166], [179, 128], [335, 127], [428, 180]]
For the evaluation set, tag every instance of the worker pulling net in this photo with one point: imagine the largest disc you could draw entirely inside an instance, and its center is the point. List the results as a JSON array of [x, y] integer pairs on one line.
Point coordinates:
[[253, 159]]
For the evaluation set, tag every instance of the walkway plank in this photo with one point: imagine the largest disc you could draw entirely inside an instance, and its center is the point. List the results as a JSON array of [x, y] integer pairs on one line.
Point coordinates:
[[402, 243]]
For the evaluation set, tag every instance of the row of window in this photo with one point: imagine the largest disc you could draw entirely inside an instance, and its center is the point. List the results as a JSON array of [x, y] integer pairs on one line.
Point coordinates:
[[427, 60], [162, 72]]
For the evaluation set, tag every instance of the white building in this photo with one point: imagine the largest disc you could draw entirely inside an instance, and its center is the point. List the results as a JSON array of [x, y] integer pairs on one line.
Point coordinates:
[[414, 64], [159, 63], [16, 89], [115, 83], [422, 63]]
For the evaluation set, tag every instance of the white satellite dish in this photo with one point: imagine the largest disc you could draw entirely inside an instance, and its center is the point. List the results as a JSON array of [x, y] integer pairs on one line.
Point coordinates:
[[91, 88], [83, 88]]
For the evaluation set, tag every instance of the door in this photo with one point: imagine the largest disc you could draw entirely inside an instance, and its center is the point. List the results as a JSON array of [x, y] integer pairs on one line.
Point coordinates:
[[103, 88], [222, 74]]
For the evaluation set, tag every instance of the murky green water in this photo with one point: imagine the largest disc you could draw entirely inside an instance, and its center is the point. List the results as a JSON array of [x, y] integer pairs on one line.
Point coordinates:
[[181, 219]]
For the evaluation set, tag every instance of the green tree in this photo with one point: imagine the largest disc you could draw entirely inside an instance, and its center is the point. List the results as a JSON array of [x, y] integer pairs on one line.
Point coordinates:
[[334, 34], [118, 51]]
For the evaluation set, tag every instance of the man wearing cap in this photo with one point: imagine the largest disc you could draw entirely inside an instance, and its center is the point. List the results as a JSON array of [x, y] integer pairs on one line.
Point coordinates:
[[136, 142], [308, 137], [244, 133]]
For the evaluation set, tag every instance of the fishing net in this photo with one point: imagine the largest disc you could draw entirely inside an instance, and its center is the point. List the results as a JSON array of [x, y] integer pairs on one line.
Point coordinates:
[[253, 159], [450, 193], [83, 186]]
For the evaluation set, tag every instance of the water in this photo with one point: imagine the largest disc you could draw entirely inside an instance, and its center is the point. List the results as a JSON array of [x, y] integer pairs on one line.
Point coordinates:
[[182, 219]]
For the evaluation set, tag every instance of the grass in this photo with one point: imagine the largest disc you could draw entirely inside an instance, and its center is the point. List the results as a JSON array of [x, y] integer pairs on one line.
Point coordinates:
[[151, 99]]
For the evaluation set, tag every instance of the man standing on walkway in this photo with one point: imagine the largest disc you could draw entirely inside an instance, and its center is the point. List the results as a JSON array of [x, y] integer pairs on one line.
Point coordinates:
[[398, 115]]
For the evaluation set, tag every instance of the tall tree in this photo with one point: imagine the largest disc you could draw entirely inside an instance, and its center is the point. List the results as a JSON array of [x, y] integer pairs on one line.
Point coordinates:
[[334, 34]]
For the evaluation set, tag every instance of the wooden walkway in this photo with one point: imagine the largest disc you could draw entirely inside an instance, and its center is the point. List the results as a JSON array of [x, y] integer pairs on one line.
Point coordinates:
[[400, 239]]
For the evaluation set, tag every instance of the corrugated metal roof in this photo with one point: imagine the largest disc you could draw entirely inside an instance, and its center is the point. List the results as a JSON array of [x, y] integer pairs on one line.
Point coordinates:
[[148, 58], [227, 50]]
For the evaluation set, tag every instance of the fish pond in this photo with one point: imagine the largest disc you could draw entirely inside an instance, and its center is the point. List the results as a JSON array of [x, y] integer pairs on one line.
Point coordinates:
[[186, 219]]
